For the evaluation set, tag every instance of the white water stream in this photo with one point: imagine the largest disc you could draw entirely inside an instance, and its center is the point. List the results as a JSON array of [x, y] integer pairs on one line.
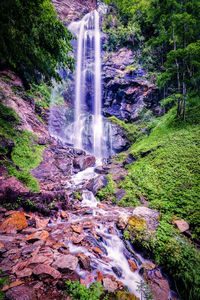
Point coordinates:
[[88, 76]]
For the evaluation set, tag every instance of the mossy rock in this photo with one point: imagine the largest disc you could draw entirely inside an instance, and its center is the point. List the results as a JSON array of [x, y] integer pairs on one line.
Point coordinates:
[[124, 296], [136, 223]]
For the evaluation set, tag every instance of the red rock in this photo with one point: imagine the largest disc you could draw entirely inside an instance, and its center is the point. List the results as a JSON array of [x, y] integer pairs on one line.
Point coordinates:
[[41, 223], [132, 265], [16, 221], [13, 284], [182, 225], [24, 273], [76, 228], [77, 238], [46, 270], [39, 235], [66, 262], [99, 276], [1, 246], [19, 266], [97, 250]]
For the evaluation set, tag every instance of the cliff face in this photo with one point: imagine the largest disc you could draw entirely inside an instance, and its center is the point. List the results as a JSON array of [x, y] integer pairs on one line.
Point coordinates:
[[71, 10]]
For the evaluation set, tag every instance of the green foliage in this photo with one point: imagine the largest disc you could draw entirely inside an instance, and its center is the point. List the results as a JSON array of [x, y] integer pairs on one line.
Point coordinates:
[[108, 193], [33, 41], [144, 289], [26, 153], [3, 280], [77, 195], [42, 94], [166, 171], [79, 291]]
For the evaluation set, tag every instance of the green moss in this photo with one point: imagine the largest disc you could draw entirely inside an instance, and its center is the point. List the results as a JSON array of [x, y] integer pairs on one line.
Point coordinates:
[[26, 153], [109, 192], [77, 195]]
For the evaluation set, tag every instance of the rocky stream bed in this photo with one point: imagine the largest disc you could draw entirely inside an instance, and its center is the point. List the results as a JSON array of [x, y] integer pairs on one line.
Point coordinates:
[[84, 242]]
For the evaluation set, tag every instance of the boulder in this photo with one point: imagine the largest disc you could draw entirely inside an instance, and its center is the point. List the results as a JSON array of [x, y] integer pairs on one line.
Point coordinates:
[[84, 161], [182, 225], [122, 221], [144, 217], [43, 270], [66, 263], [84, 261], [109, 284], [16, 221], [39, 235], [97, 184], [159, 285], [21, 292]]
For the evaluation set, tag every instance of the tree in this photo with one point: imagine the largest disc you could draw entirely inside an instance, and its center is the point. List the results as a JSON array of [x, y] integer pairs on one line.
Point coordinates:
[[33, 41]]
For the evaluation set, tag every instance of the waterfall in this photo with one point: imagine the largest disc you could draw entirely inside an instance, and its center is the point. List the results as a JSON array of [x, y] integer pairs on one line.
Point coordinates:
[[88, 94], [76, 107]]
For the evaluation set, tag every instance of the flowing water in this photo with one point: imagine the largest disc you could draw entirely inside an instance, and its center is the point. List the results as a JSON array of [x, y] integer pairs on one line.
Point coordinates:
[[79, 122]]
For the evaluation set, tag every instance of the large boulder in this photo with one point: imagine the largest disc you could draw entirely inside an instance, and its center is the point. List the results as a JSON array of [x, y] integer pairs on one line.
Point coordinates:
[[66, 263], [84, 161], [97, 184], [144, 218], [17, 221]]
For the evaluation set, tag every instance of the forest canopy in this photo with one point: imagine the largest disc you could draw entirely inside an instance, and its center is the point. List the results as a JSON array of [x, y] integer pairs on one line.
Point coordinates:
[[33, 41]]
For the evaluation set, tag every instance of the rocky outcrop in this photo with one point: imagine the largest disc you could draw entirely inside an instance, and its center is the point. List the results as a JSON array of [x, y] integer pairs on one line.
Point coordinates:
[[126, 93], [72, 10]]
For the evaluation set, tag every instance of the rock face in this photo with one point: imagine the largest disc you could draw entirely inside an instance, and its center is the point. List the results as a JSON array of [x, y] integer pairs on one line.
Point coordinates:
[[66, 262], [125, 92], [71, 10]]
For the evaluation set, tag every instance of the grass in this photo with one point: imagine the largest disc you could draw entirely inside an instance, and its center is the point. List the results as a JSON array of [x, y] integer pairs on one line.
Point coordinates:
[[167, 169]]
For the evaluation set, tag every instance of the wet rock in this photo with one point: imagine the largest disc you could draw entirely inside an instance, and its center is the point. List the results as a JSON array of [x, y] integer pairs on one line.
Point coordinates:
[[39, 259], [144, 217], [83, 162], [66, 262], [77, 228], [84, 261], [109, 285], [21, 292], [117, 271], [122, 221], [17, 221], [182, 225], [132, 265], [44, 269], [100, 170], [98, 183], [39, 235], [77, 238]]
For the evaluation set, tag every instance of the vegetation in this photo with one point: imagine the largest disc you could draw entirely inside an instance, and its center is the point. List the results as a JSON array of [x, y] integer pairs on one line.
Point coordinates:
[[19, 150], [33, 41], [108, 192], [166, 37], [80, 291]]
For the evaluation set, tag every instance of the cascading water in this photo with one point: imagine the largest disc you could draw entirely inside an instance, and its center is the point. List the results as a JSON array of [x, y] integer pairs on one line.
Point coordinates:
[[88, 73], [79, 122]]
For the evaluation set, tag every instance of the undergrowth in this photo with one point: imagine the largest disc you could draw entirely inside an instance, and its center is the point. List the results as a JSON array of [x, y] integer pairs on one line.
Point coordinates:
[[79, 291], [25, 154]]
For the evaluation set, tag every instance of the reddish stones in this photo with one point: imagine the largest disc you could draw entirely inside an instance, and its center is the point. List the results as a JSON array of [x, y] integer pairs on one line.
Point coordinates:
[[16, 221]]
